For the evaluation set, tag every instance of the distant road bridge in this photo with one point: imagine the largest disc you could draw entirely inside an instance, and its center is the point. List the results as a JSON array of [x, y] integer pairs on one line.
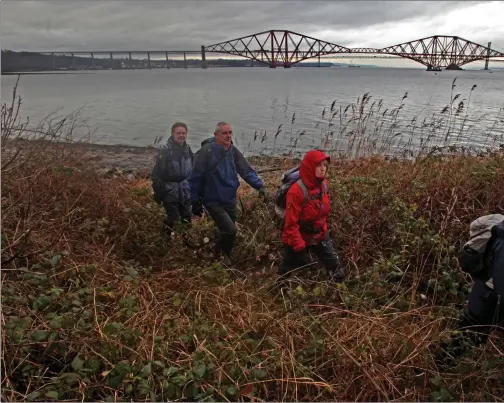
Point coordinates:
[[280, 48]]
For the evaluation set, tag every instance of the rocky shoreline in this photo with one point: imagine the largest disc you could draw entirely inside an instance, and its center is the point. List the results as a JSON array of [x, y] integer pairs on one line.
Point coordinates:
[[134, 160]]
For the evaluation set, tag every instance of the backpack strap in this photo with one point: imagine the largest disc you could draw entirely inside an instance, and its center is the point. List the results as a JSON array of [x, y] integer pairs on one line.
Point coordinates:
[[326, 188], [305, 192], [315, 196]]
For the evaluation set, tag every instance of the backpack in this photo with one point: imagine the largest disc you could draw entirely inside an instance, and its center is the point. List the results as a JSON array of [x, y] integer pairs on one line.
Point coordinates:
[[211, 169], [473, 253], [288, 179]]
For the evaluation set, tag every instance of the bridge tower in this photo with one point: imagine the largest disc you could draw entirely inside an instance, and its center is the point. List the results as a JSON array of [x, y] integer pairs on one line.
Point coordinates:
[[487, 59], [203, 59]]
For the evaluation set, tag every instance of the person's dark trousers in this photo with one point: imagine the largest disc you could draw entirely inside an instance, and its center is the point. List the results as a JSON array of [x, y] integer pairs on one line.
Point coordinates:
[[477, 320], [324, 251], [176, 212], [224, 217]]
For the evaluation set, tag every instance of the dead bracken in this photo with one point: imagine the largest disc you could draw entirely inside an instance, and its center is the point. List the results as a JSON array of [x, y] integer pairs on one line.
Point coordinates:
[[98, 304]]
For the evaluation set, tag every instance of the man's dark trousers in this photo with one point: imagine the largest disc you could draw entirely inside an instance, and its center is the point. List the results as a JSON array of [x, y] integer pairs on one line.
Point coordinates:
[[224, 217]]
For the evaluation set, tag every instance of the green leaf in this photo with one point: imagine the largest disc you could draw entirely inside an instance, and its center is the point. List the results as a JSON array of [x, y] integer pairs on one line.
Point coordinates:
[[71, 378], [132, 272], [112, 327], [146, 370], [445, 395], [179, 380], [232, 391], [56, 322], [77, 364], [159, 364], [177, 302], [52, 395], [32, 396], [436, 381], [55, 260], [200, 370], [260, 374], [40, 335], [94, 365], [116, 381]]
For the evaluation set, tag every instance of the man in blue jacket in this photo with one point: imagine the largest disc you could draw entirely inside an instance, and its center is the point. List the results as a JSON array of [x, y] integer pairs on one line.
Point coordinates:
[[214, 183]]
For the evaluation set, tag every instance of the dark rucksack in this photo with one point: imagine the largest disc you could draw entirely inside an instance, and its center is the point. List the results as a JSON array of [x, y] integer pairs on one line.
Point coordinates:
[[288, 179], [210, 169]]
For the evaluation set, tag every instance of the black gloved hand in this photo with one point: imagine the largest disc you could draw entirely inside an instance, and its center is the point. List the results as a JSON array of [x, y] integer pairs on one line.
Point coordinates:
[[264, 193], [197, 209]]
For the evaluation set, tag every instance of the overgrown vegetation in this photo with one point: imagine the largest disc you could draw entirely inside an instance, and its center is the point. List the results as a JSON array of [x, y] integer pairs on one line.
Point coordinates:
[[99, 304]]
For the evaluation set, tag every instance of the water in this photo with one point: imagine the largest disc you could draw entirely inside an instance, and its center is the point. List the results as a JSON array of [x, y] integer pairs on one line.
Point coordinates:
[[134, 107]]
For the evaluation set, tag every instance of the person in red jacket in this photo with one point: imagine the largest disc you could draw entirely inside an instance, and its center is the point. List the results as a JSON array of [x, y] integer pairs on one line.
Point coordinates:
[[305, 223]]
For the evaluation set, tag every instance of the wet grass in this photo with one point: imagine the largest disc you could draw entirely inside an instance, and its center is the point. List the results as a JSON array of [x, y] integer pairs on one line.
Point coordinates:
[[99, 304]]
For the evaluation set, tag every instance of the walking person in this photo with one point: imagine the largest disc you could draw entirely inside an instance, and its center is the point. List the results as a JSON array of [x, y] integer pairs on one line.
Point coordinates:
[[214, 183], [305, 229], [483, 258], [170, 177]]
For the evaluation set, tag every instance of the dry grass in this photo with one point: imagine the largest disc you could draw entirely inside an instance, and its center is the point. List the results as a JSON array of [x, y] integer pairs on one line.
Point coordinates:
[[98, 304], [369, 127]]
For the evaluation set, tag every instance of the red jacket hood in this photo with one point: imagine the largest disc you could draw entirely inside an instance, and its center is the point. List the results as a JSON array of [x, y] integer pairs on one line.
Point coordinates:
[[307, 168]]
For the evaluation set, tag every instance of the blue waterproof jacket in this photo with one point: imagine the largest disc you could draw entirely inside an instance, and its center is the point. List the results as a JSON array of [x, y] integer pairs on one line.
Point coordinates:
[[214, 177]]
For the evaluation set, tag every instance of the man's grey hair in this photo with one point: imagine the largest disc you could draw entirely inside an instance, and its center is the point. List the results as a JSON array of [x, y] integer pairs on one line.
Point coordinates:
[[219, 125]]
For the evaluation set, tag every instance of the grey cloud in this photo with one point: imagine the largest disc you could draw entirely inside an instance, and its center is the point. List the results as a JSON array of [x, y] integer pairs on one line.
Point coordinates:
[[170, 25]]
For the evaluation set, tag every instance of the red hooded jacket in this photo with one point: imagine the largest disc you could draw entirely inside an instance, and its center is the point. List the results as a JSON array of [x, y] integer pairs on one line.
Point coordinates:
[[314, 213]]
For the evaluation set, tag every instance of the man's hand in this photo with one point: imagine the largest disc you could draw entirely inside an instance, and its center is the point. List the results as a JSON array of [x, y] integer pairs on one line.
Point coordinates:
[[264, 193], [197, 209]]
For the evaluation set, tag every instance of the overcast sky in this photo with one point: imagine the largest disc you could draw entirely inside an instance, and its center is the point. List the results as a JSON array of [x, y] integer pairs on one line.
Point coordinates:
[[171, 25]]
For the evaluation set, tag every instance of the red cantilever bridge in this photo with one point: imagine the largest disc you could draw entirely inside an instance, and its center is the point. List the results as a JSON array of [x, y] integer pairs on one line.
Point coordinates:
[[278, 48]]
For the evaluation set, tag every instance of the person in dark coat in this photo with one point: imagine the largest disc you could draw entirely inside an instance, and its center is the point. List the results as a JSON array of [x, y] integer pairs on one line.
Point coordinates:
[[483, 258], [305, 223], [170, 177], [214, 183]]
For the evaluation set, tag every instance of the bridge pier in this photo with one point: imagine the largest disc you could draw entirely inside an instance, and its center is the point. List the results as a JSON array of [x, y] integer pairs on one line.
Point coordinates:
[[148, 60], [92, 60], [53, 59], [185, 61], [203, 59], [487, 58], [166, 54], [73, 61]]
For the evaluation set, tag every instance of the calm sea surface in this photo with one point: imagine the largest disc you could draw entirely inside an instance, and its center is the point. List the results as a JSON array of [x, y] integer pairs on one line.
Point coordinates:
[[135, 107]]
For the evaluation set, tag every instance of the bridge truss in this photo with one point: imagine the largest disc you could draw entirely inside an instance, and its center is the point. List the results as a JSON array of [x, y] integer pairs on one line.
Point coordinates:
[[278, 48]]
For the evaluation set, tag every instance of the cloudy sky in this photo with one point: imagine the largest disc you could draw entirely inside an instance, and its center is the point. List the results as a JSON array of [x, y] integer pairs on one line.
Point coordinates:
[[172, 25]]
